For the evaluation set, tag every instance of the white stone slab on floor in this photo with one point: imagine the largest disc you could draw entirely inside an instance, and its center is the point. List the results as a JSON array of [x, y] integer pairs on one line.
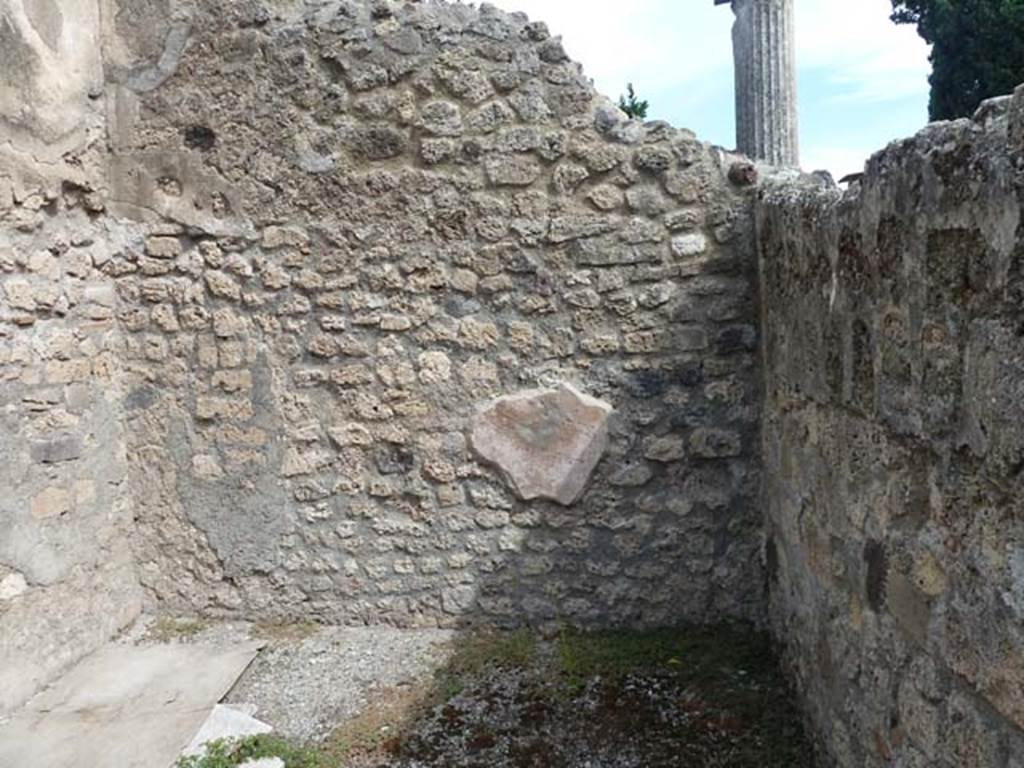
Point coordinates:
[[226, 722], [124, 707]]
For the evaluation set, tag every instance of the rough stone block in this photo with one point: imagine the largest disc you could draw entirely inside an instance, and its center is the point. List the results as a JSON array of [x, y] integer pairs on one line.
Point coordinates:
[[280, 237], [57, 449], [664, 449], [163, 247], [68, 371], [605, 197], [441, 118], [223, 286], [710, 443], [685, 246], [20, 295], [511, 170], [220, 408]]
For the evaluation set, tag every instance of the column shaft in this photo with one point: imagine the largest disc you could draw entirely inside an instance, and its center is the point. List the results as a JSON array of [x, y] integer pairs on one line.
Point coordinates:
[[766, 117]]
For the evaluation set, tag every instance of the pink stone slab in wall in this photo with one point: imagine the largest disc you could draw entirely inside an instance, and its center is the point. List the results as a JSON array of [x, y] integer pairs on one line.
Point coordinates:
[[545, 442]]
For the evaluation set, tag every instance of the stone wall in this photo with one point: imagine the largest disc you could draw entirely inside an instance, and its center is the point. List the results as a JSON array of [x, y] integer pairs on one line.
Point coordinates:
[[67, 579], [266, 266], [893, 439], [368, 220], [263, 267]]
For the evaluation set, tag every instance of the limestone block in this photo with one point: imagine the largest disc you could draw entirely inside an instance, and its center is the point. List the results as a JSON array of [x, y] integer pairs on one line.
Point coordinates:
[[20, 295], [219, 408], [278, 237], [477, 334], [605, 197], [458, 599], [653, 159], [435, 367], [689, 245], [631, 475], [664, 449], [163, 247], [682, 220], [223, 286], [511, 171], [12, 585], [545, 442], [350, 434]]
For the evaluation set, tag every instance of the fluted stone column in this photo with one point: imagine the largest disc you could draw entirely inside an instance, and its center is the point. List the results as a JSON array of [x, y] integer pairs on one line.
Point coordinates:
[[763, 47]]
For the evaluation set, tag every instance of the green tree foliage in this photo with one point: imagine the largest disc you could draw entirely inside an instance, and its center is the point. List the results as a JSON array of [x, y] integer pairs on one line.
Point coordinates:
[[977, 49], [631, 105]]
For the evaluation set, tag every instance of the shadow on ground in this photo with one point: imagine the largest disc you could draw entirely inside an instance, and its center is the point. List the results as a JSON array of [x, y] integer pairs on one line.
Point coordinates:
[[694, 697]]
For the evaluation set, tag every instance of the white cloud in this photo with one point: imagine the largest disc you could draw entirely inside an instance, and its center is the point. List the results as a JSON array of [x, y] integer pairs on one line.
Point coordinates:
[[665, 43], [658, 43], [840, 161], [864, 55]]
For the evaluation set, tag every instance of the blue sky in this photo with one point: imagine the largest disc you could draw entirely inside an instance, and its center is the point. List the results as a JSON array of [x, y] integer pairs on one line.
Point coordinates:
[[862, 81]]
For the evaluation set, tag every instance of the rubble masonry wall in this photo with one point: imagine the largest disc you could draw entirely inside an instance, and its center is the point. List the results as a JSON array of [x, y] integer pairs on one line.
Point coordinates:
[[268, 261], [893, 446]]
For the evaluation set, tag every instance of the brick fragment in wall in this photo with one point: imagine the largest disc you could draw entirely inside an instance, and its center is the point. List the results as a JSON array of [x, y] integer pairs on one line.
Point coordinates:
[[546, 443]]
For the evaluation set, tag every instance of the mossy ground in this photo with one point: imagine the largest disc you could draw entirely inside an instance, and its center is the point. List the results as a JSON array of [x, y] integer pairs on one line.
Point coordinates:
[[284, 631], [168, 629], [694, 697]]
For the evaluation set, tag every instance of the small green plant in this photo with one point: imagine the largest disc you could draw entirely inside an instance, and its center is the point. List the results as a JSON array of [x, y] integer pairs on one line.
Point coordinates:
[[229, 753], [633, 106]]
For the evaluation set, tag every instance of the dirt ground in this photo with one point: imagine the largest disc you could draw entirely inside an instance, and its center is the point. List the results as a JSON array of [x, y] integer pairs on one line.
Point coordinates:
[[615, 700], [384, 698]]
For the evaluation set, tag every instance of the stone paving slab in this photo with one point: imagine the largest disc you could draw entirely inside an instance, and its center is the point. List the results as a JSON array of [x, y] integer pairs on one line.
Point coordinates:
[[124, 707], [226, 722]]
